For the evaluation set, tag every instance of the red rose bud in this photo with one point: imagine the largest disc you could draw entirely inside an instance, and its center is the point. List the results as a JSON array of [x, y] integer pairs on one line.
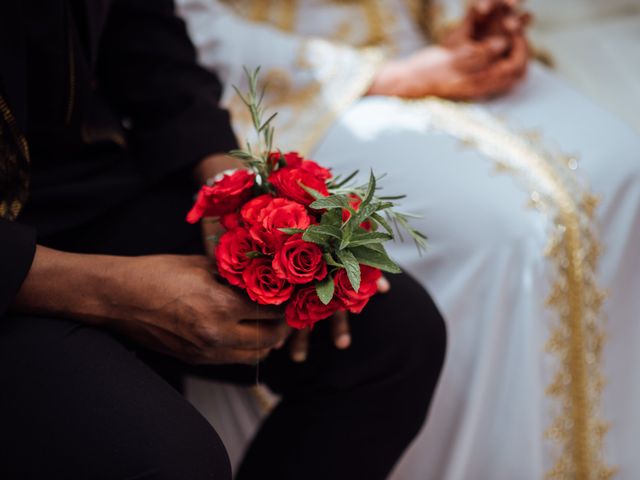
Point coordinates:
[[306, 308], [231, 255], [299, 262], [224, 196], [263, 285], [355, 201], [350, 299], [287, 183], [278, 213]]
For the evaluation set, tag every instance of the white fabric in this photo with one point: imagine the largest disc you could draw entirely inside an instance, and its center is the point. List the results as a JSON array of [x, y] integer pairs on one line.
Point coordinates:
[[486, 266], [596, 46]]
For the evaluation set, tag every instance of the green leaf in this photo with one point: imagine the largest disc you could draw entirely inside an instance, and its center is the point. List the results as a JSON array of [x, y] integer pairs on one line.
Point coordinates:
[[393, 197], [314, 193], [381, 221], [352, 267], [371, 188], [321, 234], [315, 237], [325, 289], [339, 182], [367, 238], [346, 235], [328, 230], [328, 258], [254, 254], [376, 258], [332, 218], [367, 211], [292, 231], [330, 202]]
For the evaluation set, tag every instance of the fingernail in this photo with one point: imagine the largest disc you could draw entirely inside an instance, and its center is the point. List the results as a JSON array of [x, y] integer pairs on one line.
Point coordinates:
[[383, 285], [498, 43], [299, 357], [343, 341]]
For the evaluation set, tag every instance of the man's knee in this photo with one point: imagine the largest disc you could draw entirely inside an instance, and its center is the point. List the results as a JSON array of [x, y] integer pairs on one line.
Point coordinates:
[[411, 324], [415, 342], [200, 455]]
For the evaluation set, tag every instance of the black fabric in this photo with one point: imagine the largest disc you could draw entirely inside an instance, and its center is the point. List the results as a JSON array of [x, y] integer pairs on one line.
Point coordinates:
[[112, 103], [17, 247], [76, 404]]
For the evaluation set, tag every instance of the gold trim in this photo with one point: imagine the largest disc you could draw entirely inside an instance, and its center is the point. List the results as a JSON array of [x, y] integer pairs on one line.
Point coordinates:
[[358, 84], [304, 130], [15, 161], [578, 336]]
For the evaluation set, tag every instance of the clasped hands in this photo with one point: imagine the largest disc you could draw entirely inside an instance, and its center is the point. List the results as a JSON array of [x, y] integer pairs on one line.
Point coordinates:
[[486, 55]]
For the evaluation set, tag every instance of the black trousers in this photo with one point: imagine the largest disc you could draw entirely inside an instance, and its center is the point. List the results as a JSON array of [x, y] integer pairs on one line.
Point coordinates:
[[77, 402]]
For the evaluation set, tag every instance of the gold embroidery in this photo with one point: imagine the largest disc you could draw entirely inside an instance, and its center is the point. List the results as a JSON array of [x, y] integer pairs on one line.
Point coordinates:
[[578, 337], [14, 164], [297, 129]]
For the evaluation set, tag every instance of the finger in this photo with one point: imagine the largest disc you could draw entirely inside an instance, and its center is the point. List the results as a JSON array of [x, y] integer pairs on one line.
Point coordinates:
[[246, 309], [246, 357], [489, 84], [340, 330], [513, 23], [475, 56], [299, 345], [516, 63], [484, 7], [256, 335], [383, 285]]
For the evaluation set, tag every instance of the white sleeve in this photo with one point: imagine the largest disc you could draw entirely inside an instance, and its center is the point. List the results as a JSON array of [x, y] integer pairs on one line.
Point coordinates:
[[442, 15], [309, 81]]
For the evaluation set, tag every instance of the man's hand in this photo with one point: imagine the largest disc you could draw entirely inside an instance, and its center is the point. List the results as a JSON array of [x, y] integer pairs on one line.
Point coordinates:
[[299, 343], [205, 170], [168, 303]]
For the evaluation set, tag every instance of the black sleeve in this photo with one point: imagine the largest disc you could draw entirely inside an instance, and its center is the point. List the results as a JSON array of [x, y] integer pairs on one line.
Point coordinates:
[[17, 248], [147, 65]]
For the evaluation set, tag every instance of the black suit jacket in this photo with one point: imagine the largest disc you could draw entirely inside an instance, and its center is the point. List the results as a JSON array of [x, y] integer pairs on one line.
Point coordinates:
[[142, 111]]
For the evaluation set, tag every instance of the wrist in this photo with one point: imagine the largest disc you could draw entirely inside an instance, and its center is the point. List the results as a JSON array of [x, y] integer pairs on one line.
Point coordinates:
[[212, 165], [70, 285], [385, 81]]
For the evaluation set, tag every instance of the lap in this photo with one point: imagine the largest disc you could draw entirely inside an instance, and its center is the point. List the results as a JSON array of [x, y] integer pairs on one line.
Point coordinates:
[[76, 403]]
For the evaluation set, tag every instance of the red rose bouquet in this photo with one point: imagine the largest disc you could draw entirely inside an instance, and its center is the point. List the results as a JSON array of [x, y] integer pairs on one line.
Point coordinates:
[[294, 234]]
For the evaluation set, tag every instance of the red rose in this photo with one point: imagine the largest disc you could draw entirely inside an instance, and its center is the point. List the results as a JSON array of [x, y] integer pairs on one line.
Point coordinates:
[[316, 170], [306, 308], [263, 285], [231, 255], [278, 213], [291, 159], [231, 220], [224, 196], [251, 211], [299, 262], [355, 201], [350, 299], [287, 183]]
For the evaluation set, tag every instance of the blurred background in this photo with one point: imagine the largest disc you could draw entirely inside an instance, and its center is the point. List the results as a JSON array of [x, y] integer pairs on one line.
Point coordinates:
[[595, 46]]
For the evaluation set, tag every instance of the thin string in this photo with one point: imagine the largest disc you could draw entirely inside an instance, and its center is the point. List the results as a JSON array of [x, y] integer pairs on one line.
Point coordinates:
[[257, 351]]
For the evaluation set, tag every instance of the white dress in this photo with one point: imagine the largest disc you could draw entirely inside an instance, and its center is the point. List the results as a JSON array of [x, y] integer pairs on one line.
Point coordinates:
[[532, 206]]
